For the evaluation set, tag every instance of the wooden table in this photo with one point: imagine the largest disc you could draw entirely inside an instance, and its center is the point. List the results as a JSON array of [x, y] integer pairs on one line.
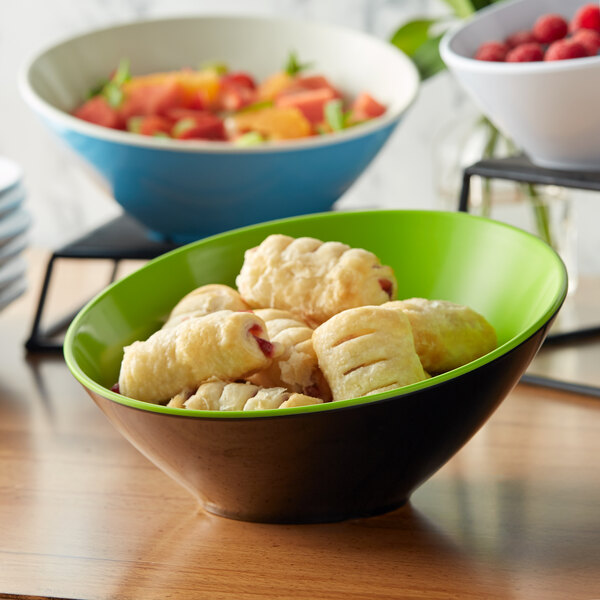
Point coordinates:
[[516, 513]]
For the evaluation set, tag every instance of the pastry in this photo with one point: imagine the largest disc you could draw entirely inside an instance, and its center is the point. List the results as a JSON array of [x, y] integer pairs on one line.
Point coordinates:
[[447, 335], [297, 368], [221, 395], [315, 280], [225, 345], [367, 350], [204, 300]]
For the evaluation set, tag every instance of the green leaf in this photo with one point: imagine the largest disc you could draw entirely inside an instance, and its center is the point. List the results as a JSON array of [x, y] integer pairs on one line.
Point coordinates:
[[293, 66], [334, 115], [220, 68], [410, 36], [479, 4], [114, 94], [256, 106], [134, 124], [461, 8], [97, 89], [123, 73], [427, 58], [182, 126], [252, 138]]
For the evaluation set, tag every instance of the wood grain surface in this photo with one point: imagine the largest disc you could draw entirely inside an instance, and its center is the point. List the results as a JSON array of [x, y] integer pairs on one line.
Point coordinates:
[[515, 514]]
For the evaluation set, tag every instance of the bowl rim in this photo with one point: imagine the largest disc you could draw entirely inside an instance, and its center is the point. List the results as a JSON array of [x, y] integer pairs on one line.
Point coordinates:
[[69, 122], [467, 63], [497, 353]]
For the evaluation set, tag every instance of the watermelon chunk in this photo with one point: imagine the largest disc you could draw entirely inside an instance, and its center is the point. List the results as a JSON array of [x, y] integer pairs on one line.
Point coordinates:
[[98, 111], [311, 103], [366, 107]]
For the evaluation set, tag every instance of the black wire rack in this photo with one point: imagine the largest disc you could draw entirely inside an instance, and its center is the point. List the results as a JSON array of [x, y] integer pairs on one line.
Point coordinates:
[[123, 238], [522, 170]]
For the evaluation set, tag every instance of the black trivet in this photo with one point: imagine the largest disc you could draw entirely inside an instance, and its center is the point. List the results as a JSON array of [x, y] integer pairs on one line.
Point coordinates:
[[521, 169], [120, 239]]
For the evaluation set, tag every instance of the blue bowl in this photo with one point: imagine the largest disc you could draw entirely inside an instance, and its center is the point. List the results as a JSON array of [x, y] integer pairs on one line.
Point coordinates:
[[187, 190]]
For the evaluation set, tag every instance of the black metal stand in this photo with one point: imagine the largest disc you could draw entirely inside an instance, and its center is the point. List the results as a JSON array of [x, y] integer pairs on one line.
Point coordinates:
[[521, 169], [120, 239]]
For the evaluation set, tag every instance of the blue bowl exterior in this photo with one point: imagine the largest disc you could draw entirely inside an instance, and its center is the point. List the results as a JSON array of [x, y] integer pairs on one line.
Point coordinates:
[[184, 196]]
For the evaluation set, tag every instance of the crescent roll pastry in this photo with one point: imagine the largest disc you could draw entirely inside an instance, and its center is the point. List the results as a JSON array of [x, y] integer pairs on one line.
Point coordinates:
[[224, 345], [204, 300], [367, 350], [297, 368], [447, 335], [220, 395], [313, 279]]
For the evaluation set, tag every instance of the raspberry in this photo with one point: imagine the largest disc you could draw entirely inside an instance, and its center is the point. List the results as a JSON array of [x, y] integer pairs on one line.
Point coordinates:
[[519, 37], [549, 28], [493, 51], [526, 53], [565, 49], [586, 17], [589, 39]]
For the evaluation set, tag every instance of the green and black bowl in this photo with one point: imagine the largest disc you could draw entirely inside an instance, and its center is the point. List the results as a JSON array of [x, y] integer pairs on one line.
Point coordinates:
[[344, 459]]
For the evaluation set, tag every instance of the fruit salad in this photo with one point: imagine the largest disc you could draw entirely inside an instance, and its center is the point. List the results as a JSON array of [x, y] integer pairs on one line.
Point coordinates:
[[214, 103], [552, 37]]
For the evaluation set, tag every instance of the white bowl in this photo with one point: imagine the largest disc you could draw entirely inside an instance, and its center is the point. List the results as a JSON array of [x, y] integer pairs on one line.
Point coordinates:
[[551, 110]]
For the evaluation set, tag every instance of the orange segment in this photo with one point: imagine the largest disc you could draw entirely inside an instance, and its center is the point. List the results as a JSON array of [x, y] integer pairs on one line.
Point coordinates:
[[191, 81], [274, 85], [274, 123]]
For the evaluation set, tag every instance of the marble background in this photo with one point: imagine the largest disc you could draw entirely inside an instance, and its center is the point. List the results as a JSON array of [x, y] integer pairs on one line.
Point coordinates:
[[65, 202]]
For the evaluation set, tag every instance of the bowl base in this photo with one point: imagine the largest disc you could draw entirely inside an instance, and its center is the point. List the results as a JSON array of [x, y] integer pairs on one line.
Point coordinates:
[[298, 519]]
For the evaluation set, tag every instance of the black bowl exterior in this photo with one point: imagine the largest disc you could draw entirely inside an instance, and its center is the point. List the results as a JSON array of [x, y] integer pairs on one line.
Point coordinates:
[[323, 466]]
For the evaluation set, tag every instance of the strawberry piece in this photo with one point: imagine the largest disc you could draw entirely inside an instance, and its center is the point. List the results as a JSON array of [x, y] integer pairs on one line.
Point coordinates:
[[235, 96], [98, 111], [386, 286], [492, 51], [519, 37], [239, 78], [204, 126], [530, 52], [549, 28], [266, 346], [186, 113], [589, 39], [586, 17], [153, 124], [311, 103], [564, 50]]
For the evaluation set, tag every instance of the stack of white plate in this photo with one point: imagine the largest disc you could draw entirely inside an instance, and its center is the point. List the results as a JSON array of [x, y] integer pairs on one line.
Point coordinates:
[[14, 225]]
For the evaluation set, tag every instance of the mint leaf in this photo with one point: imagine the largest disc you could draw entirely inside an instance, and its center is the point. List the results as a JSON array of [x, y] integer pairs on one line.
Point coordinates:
[[252, 138], [182, 126], [334, 115], [123, 73], [293, 66], [220, 68], [97, 89], [256, 106], [114, 94], [134, 124]]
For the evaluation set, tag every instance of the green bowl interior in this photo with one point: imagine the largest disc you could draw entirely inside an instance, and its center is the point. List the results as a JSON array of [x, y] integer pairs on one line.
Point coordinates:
[[513, 278]]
